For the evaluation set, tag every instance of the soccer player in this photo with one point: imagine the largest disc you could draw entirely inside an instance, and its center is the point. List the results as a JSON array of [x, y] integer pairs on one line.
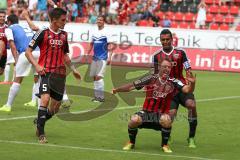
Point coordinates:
[[18, 40], [66, 102], [160, 89], [100, 43], [3, 42], [180, 62], [53, 44]]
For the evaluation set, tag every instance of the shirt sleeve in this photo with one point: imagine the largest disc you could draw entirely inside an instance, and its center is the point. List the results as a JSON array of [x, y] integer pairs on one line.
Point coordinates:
[[66, 49], [9, 34], [178, 84], [186, 62], [142, 82], [37, 39]]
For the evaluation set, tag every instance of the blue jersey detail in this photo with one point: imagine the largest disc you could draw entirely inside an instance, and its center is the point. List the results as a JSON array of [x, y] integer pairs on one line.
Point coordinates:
[[21, 39], [100, 49]]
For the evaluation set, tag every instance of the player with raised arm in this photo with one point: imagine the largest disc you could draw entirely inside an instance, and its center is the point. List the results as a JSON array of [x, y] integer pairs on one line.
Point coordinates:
[[160, 89], [180, 63], [18, 38], [53, 44]]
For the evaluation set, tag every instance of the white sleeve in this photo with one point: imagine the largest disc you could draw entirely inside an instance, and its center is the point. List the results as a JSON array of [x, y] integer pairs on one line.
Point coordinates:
[[9, 34]]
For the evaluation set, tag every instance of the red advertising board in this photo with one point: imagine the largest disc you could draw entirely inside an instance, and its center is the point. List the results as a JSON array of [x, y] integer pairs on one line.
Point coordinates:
[[201, 59]]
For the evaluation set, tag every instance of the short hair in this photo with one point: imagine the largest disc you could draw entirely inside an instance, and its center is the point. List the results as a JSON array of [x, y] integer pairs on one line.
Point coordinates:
[[13, 18], [166, 31], [101, 16], [2, 12], [56, 13], [165, 59]]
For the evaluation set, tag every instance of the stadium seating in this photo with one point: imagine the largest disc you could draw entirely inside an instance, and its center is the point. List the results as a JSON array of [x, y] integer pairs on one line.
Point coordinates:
[[224, 27], [214, 26]]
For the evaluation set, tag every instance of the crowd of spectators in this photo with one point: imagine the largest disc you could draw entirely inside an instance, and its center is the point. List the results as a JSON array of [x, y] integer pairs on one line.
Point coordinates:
[[123, 12]]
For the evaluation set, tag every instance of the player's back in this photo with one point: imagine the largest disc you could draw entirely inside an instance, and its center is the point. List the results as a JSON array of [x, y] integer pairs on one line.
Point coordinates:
[[21, 39]]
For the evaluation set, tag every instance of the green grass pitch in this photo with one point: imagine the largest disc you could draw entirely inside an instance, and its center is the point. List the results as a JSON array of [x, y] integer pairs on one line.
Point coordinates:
[[102, 138]]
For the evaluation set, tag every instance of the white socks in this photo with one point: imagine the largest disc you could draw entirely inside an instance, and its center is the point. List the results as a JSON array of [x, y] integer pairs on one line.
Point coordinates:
[[13, 93], [6, 73], [35, 90], [99, 89], [65, 96]]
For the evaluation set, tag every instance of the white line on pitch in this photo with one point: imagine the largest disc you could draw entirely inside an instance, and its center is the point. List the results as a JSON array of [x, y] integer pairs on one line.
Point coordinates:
[[120, 108], [104, 150]]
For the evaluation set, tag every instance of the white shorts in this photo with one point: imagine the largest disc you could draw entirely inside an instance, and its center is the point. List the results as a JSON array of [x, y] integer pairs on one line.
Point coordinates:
[[23, 66], [10, 58], [98, 68]]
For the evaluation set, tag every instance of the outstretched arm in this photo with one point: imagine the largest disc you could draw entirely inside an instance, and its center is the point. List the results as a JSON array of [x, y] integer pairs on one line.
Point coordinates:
[[124, 88]]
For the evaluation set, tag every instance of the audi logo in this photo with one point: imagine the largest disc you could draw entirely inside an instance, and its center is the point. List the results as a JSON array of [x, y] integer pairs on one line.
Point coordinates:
[[228, 42]]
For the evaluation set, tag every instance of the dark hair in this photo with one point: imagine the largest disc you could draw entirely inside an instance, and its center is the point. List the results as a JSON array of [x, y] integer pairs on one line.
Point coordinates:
[[166, 31], [2, 11], [101, 16], [13, 19], [56, 13]]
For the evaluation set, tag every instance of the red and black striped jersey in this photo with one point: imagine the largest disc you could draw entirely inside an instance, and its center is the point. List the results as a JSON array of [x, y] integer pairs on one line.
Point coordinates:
[[53, 46], [158, 94], [4, 38], [179, 62]]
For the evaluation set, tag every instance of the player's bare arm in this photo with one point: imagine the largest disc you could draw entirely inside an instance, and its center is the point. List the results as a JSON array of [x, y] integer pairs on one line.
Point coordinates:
[[67, 61], [189, 88], [13, 50], [90, 47], [124, 88], [2, 48], [25, 15]]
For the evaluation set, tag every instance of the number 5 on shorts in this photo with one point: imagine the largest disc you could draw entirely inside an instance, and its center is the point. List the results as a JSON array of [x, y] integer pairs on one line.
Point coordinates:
[[44, 87]]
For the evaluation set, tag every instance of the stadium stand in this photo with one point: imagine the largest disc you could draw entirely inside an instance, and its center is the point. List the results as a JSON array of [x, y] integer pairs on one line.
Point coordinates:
[[182, 13]]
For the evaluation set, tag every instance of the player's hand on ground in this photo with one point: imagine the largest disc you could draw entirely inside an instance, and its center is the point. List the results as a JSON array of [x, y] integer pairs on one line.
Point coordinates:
[[40, 70], [77, 75]]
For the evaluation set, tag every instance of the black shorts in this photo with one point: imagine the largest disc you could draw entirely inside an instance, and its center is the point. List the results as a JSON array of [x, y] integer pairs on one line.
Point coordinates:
[[52, 84], [3, 61], [150, 120], [181, 98]]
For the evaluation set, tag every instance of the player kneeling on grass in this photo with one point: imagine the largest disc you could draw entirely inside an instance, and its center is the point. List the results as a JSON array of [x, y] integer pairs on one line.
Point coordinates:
[[160, 89]]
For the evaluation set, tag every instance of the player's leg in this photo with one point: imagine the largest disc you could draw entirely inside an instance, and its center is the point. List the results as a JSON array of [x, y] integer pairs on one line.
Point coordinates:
[[10, 60], [23, 68], [66, 102], [133, 124], [189, 102], [44, 91], [35, 90], [99, 81], [166, 125], [3, 60]]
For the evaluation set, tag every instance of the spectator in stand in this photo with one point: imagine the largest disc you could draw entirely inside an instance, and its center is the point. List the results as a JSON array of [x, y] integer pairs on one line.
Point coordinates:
[[201, 15], [166, 22], [92, 17], [113, 11], [72, 9], [80, 4]]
